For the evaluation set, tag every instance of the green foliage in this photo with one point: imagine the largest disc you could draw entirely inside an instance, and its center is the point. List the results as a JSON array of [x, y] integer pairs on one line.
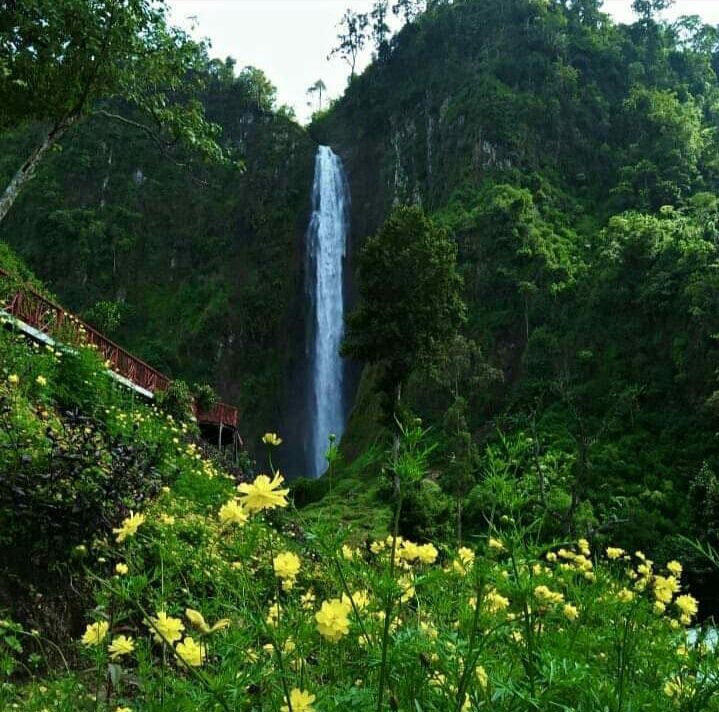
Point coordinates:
[[61, 57], [73, 458], [202, 260], [410, 298], [176, 401]]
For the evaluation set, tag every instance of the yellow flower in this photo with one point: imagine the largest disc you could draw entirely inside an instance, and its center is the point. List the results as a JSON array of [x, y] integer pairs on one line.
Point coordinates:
[[264, 493], [198, 620], [95, 633], [545, 595], [665, 587], [121, 645], [614, 552], [129, 527], [464, 561], [332, 619], [307, 599], [348, 552], [495, 544], [121, 569], [167, 519], [273, 614], [659, 607], [41, 381], [495, 601], [427, 553], [673, 688], [376, 547], [674, 567], [482, 678], [583, 545], [286, 565], [570, 612], [123, 709], [233, 512], [361, 599], [272, 439], [13, 379], [625, 595], [687, 605], [190, 652], [407, 586], [300, 700], [166, 628], [551, 557]]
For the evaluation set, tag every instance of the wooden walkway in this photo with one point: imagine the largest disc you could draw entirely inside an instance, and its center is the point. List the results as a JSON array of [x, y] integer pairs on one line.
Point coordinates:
[[45, 317]]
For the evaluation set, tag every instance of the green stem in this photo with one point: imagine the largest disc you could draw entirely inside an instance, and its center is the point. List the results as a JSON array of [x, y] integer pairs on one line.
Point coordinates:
[[390, 601], [199, 676], [464, 681], [278, 651], [529, 662]]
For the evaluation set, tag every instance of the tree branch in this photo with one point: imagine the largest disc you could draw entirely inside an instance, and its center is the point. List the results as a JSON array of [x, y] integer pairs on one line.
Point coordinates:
[[162, 145]]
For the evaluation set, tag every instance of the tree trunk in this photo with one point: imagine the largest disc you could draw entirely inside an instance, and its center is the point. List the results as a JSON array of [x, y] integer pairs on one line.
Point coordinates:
[[27, 170]]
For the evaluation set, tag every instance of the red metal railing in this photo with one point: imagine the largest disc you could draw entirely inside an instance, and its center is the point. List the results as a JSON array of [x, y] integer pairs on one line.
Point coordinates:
[[31, 307]]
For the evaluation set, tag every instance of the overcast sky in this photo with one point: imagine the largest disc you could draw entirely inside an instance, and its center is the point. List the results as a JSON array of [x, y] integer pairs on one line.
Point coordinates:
[[290, 39]]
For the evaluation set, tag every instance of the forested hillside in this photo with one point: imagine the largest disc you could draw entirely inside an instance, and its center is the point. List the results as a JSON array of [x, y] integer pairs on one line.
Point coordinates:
[[574, 162], [523, 510], [195, 267]]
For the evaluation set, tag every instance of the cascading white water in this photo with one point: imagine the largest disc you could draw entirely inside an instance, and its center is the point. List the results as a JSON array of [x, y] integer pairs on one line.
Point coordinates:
[[326, 243]]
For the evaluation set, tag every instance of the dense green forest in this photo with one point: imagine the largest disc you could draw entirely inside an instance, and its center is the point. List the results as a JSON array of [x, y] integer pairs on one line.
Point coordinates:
[[574, 161], [525, 502]]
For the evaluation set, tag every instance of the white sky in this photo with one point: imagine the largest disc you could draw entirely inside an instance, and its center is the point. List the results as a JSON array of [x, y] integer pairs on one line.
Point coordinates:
[[290, 39]]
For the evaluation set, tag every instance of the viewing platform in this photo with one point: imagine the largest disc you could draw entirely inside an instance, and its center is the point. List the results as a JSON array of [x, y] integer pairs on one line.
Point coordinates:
[[43, 320]]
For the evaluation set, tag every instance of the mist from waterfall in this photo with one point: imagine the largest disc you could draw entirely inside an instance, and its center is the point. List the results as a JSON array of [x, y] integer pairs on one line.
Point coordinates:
[[325, 252]]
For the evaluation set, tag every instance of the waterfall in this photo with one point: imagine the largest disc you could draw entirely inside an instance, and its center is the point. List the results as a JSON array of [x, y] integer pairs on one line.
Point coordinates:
[[325, 252]]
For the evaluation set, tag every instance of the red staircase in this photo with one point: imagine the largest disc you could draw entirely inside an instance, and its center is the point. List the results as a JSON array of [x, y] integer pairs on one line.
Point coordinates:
[[29, 306]]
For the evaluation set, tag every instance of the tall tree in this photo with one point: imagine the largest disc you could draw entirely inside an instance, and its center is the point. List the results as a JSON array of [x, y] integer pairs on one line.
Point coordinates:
[[317, 88], [411, 303], [352, 37], [64, 60]]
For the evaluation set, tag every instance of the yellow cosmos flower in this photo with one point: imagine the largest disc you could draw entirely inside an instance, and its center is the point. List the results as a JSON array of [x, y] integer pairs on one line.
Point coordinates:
[[614, 552], [13, 379], [123, 709], [687, 605], [190, 652], [41, 381], [198, 620], [286, 565], [233, 512], [300, 700], [495, 544], [166, 628], [570, 612], [377, 547], [264, 493], [272, 439], [332, 619], [464, 561], [546, 595], [427, 553], [129, 527], [675, 568], [625, 595], [482, 678], [361, 599], [121, 569], [121, 645], [95, 633]]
